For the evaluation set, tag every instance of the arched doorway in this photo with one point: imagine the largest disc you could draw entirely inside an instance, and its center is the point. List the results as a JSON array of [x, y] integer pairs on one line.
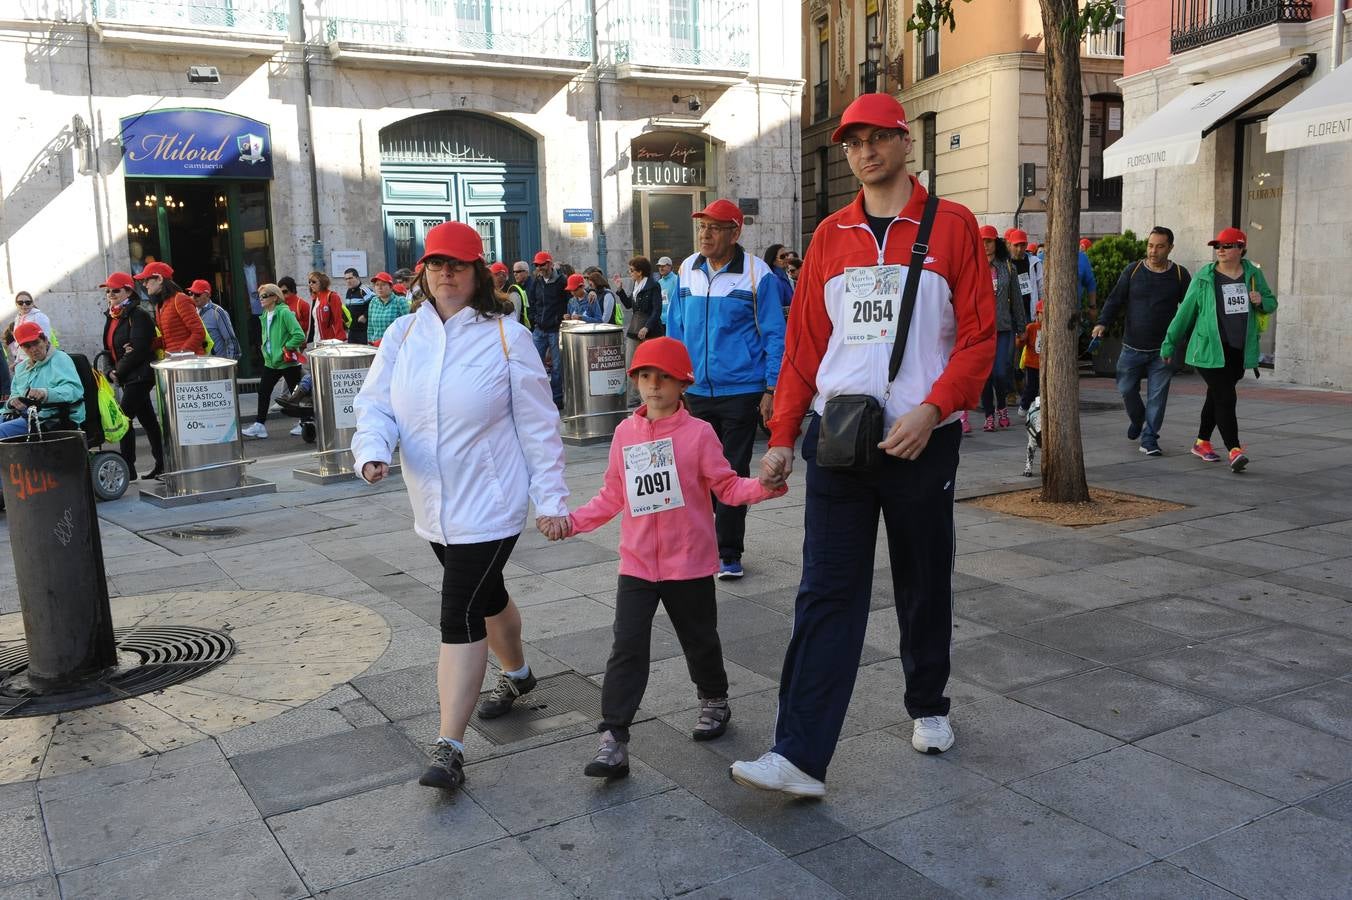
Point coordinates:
[[458, 166]]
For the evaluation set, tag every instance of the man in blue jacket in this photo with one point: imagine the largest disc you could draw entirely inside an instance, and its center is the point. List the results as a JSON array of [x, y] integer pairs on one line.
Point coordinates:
[[729, 313]]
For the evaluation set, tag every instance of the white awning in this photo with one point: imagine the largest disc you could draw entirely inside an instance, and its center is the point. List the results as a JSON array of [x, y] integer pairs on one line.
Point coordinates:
[[1172, 135], [1321, 114]]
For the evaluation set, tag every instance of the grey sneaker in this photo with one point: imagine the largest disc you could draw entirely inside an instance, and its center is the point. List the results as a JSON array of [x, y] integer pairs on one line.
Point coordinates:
[[446, 769], [499, 703], [611, 760], [713, 719]]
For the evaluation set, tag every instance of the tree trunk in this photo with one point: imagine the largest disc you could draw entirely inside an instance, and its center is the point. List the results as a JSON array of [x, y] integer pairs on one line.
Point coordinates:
[[1063, 478]]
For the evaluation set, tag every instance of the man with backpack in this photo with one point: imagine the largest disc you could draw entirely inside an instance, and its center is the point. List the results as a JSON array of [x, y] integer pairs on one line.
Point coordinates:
[[1150, 290]]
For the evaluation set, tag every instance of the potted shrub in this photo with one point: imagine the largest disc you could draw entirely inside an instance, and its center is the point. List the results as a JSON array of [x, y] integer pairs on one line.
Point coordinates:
[[1109, 255]]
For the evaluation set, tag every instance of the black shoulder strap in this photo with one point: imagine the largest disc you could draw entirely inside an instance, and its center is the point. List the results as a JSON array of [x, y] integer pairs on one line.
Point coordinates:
[[918, 252]]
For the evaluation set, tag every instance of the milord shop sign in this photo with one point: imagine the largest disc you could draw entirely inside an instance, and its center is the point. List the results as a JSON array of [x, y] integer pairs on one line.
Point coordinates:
[[196, 143], [664, 159]]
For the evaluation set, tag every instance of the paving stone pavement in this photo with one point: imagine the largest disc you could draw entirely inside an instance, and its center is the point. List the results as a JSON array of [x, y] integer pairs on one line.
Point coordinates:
[[1154, 708]]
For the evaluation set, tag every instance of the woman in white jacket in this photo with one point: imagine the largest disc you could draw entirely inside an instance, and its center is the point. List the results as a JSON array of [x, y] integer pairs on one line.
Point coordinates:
[[459, 387]]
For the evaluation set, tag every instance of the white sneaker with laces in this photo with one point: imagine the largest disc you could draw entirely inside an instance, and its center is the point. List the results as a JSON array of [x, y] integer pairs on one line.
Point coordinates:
[[773, 772], [932, 734], [256, 430], [297, 431]]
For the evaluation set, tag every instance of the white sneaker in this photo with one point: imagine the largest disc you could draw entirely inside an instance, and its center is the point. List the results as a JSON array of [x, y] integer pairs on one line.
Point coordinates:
[[256, 430], [297, 431], [773, 772], [932, 734]]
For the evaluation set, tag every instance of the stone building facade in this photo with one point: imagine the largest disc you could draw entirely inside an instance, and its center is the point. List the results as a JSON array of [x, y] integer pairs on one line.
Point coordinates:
[[1294, 204], [976, 101], [583, 127]]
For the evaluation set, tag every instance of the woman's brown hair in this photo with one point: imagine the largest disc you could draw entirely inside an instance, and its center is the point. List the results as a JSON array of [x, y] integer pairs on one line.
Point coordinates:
[[323, 280], [642, 266]]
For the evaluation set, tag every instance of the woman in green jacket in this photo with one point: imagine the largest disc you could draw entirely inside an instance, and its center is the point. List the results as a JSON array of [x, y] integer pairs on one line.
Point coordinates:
[[282, 342], [1220, 311]]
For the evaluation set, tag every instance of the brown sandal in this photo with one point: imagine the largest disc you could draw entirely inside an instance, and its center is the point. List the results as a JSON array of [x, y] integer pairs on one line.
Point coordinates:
[[714, 714]]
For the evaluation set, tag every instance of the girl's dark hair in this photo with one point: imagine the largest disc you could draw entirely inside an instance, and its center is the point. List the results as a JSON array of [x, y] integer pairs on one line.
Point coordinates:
[[771, 256], [485, 300], [1001, 249], [287, 282], [595, 272], [642, 266], [168, 289]]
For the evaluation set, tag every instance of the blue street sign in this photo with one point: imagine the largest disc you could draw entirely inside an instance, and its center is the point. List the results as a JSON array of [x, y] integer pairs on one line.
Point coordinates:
[[196, 143], [578, 215]]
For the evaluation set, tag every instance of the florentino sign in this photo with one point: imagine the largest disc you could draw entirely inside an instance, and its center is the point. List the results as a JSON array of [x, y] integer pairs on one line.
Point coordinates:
[[196, 143]]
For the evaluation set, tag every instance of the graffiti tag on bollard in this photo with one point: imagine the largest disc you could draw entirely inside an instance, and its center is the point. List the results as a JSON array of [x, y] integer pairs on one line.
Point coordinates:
[[29, 483]]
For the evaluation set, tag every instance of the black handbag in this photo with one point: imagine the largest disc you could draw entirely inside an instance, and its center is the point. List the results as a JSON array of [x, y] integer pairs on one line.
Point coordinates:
[[851, 425]]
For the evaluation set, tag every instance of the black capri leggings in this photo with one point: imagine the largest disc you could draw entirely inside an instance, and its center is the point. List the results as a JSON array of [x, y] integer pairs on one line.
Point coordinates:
[[472, 588], [267, 381]]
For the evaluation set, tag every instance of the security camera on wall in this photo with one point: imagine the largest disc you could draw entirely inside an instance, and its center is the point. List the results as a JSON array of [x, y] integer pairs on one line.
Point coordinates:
[[692, 102], [203, 75]]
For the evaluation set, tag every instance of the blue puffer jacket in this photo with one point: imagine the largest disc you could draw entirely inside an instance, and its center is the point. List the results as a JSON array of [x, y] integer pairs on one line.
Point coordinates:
[[735, 336]]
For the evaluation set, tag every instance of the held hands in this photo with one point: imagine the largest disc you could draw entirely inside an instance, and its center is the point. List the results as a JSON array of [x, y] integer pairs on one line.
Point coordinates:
[[775, 468], [911, 433], [556, 528], [373, 472]]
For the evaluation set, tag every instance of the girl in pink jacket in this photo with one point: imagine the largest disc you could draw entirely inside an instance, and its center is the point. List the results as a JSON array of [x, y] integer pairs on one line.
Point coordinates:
[[663, 465]]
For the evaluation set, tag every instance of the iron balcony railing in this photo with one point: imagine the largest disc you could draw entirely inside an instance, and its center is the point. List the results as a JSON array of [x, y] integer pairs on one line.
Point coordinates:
[[1195, 23], [702, 34], [245, 16], [821, 101], [868, 76], [553, 29], [929, 53], [1111, 42]]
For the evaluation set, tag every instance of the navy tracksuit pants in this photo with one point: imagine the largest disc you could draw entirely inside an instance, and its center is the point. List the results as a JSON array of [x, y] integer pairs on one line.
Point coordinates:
[[840, 530]]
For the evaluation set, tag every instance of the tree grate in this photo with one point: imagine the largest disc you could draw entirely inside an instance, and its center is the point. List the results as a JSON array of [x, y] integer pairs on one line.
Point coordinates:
[[559, 701], [149, 659]]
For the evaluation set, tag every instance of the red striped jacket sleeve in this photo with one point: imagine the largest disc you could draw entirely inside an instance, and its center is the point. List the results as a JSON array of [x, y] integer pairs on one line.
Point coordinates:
[[805, 341], [969, 365]]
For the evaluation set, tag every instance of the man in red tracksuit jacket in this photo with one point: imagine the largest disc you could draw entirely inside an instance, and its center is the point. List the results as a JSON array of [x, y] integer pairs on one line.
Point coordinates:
[[863, 251]]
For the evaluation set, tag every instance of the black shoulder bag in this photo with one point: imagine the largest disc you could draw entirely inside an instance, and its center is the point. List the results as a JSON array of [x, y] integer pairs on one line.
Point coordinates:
[[852, 424]]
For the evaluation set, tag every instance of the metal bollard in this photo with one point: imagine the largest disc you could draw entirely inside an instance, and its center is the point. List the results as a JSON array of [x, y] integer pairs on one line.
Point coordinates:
[[594, 382], [58, 559]]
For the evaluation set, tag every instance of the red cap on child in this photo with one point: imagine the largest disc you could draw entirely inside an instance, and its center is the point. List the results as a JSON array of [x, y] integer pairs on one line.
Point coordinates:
[[667, 354]]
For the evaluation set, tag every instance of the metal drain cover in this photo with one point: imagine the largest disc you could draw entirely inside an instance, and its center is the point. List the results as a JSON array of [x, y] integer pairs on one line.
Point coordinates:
[[200, 532], [559, 701], [149, 659]]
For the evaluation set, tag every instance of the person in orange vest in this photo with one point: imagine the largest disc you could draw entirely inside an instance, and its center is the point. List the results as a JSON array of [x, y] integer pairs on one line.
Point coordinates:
[[176, 317]]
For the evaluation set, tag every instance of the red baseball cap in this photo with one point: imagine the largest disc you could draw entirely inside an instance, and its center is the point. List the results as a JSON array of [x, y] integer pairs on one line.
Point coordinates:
[[1016, 236], [720, 211], [118, 280], [454, 240], [988, 233], [1038, 308], [383, 276], [199, 286], [882, 110], [667, 354], [575, 281], [1229, 236], [498, 267], [27, 333], [1033, 248], [1085, 243], [153, 269], [542, 257], [401, 288]]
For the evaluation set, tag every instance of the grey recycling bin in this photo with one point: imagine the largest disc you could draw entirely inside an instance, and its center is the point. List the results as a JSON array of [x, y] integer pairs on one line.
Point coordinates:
[[594, 381], [339, 370], [203, 448], [58, 559]]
